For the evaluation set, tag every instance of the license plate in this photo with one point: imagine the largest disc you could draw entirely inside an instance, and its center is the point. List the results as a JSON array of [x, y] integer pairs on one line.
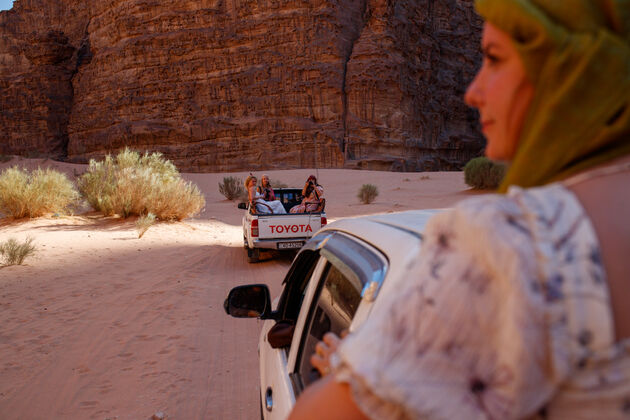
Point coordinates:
[[290, 245]]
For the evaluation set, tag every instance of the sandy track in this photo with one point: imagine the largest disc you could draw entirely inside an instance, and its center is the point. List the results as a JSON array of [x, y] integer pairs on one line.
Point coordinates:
[[135, 329], [102, 325]]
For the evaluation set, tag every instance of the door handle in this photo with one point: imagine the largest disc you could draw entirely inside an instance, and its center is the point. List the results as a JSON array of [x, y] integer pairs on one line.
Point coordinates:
[[269, 399]]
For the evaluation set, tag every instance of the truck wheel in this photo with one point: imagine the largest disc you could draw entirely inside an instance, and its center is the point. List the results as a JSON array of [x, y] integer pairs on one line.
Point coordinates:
[[253, 254], [245, 243]]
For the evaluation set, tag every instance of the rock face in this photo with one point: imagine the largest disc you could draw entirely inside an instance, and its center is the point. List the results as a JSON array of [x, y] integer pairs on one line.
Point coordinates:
[[220, 85]]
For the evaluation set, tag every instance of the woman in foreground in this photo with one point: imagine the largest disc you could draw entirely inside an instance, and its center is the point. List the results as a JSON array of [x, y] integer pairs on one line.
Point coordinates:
[[517, 307]]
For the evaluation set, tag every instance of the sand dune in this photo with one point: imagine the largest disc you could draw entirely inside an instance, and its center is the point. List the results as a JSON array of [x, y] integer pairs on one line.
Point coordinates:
[[102, 325]]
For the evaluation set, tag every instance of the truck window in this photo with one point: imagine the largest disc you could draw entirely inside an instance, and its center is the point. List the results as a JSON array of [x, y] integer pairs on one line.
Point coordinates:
[[296, 281], [337, 301]]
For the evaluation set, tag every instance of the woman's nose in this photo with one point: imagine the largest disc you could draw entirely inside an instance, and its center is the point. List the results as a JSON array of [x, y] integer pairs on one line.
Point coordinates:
[[473, 96]]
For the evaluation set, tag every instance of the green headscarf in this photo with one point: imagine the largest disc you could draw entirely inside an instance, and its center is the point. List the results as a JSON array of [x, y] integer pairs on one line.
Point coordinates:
[[577, 54]]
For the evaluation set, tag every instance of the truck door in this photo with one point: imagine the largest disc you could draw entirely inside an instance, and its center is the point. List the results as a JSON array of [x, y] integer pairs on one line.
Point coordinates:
[[277, 393]]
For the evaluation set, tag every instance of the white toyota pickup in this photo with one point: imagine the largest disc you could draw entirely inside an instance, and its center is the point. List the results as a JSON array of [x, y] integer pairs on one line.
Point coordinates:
[[280, 231], [332, 285]]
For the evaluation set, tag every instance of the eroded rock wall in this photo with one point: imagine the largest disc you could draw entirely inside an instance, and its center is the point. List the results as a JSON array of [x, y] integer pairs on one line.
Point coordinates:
[[220, 85], [405, 82], [37, 63]]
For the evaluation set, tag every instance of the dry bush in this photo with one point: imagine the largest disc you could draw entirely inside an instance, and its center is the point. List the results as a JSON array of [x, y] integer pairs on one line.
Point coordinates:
[[232, 188], [43, 191], [367, 193], [144, 223], [14, 252], [424, 177], [134, 184], [482, 173]]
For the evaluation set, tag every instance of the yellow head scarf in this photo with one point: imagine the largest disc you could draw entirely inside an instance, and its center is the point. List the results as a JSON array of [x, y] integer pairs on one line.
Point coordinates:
[[577, 54]]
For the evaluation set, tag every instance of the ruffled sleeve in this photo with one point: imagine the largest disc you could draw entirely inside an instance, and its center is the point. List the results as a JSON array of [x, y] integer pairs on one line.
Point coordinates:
[[467, 335]]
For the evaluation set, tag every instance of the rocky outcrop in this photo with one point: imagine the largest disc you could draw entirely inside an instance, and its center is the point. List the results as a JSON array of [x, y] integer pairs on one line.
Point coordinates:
[[220, 85], [405, 82]]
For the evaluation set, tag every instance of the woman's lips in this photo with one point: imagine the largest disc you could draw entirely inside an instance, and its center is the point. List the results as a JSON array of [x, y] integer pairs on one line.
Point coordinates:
[[486, 124]]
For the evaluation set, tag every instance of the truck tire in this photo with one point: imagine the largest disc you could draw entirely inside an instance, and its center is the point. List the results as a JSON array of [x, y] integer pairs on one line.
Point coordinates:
[[253, 254], [245, 243]]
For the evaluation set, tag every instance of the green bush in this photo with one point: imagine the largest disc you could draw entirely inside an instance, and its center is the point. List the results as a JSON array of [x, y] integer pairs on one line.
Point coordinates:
[[232, 188], [367, 193], [134, 184], [14, 252], [482, 173], [43, 191]]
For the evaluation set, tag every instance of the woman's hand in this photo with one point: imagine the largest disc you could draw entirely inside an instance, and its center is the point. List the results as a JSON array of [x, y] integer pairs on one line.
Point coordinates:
[[323, 350], [326, 398]]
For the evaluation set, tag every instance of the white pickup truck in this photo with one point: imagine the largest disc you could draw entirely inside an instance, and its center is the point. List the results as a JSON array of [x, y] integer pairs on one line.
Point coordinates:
[[332, 285], [280, 231]]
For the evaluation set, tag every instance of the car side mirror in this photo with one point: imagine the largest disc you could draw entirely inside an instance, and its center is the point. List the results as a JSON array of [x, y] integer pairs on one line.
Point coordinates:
[[250, 301], [242, 206]]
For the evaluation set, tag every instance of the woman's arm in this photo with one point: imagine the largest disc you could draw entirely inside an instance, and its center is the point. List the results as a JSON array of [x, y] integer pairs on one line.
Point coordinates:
[[316, 193], [326, 399], [251, 193]]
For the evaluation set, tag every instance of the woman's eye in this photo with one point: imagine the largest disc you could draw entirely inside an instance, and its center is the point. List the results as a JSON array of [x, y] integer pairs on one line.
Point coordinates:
[[492, 59]]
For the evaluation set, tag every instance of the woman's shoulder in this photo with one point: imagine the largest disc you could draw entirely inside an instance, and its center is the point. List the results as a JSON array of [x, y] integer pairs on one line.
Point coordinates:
[[523, 210], [528, 226], [545, 239]]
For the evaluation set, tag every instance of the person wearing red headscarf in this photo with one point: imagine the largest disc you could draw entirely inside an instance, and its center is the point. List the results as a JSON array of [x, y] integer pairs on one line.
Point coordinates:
[[312, 193]]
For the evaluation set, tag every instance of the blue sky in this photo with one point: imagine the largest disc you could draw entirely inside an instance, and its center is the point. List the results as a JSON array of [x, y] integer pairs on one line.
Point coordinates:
[[6, 4]]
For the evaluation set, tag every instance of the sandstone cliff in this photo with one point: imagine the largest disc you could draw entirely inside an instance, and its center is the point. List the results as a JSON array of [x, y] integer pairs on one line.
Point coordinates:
[[220, 85]]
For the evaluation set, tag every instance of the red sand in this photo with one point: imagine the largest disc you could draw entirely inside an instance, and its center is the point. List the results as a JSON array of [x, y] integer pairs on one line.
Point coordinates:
[[99, 324]]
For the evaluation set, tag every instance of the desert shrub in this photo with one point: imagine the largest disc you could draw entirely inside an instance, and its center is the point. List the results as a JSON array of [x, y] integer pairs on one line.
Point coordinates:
[[424, 177], [367, 193], [43, 191], [232, 188], [134, 184], [143, 223], [482, 173], [14, 252]]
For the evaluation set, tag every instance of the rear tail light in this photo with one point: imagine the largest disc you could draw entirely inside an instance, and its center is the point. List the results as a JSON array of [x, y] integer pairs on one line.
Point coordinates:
[[254, 228], [324, 221]]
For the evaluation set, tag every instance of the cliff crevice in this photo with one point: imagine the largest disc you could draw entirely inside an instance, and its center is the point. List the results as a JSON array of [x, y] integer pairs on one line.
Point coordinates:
[[363, 16]]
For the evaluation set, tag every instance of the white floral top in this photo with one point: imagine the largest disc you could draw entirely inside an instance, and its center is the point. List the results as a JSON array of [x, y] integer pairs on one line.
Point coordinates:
[[505, 315]]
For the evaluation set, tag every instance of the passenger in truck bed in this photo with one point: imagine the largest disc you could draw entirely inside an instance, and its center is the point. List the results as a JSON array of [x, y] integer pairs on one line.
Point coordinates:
[[265, 189], [312, 193], [257, 200]]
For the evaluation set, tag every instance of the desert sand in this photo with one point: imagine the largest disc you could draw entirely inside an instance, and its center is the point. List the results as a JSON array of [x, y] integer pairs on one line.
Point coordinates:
[[100, 324]]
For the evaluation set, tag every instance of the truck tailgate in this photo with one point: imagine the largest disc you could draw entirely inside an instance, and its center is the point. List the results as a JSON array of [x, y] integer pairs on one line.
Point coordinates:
[[288, 225]]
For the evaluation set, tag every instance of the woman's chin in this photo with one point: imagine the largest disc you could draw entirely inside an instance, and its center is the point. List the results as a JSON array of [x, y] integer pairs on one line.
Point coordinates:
[[498, 156]]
